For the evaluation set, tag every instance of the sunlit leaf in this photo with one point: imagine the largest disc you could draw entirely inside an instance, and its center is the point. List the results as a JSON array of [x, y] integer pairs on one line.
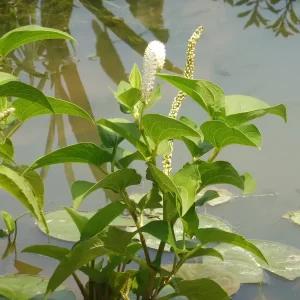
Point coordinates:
[[9, 221], [27, 109], [25, 91], [27, 34], [103, 217], [249, 183], [242, 109], [135, 77], [159, 128], [20, 188], [7, 77], [221, 135], [205, 93], [219, 172], [212, 235], [7, 150], [78, 153], [77, 218]]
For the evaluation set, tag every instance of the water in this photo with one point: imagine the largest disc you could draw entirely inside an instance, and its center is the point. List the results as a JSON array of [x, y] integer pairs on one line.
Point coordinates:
[[111, 36]]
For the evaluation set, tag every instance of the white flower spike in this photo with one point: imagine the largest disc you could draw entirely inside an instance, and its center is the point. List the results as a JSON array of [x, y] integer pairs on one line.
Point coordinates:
[[154, 60]]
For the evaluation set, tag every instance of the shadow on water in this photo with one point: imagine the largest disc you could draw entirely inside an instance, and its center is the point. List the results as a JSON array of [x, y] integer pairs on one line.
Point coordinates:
[[277, 15]]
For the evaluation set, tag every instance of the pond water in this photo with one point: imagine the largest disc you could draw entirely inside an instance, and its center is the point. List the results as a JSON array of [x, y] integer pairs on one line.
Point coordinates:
[[111, 36]]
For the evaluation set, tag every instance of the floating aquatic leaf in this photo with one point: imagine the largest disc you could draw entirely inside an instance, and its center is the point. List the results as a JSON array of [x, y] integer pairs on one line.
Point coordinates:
[[294, 216], [25, 287], [239, 262]]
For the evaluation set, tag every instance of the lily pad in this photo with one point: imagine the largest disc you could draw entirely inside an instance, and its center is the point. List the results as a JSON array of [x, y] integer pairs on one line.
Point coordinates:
[[227, 280], [283, 260], [294, 216], [25, 287], [239, 262], [62, 227]]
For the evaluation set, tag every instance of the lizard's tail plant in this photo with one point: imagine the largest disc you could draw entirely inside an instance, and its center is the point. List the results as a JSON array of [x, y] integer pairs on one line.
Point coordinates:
[[188, 73], [173, 224]]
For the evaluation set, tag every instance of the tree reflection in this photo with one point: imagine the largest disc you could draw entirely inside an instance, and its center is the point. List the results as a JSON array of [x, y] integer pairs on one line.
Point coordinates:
[[257, 13]]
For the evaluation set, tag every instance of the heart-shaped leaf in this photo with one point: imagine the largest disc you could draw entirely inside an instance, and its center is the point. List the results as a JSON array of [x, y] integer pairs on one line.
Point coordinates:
[[221, 135], [239, 262], [207, 94], [159, 128], [242, 109]]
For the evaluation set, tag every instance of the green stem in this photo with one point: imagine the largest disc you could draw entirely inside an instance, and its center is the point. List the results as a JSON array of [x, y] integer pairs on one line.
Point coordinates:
[[103, 170], [22, 215], [113, 159], [81, 287], [14, 130], [137, 224], [214, 155]]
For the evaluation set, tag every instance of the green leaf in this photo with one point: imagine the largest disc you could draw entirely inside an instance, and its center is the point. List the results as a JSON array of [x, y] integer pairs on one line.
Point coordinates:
[[112, 240], [282, 260], [164, 182], [102, 219], [135, 77], [129, 98], [151, 200], [27, 34], [129, 131], [62, 227], [190, 222], [78, 189], [7, 77], [204, 289], [208, 195], [160, 128], [20, 188], [116, 181], [162, 230], [197, 146], [221, 135], [78, 153], [35, 181], [9, 222], [155, 95], [108, 137], [78, 219], [22, 90], [249, 183], [204, 252], [24, 287], [187, 181], [3, 233], [221, 276], [219, 172], [7, 150], [242, 109], [51, 251], [239, 262], [212, 235], [127, 159], [207, 94], [120, 283], [27, 109]]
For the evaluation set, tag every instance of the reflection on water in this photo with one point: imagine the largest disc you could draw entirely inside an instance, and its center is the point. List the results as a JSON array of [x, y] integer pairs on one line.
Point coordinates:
[[279, 16], [118, 35]]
